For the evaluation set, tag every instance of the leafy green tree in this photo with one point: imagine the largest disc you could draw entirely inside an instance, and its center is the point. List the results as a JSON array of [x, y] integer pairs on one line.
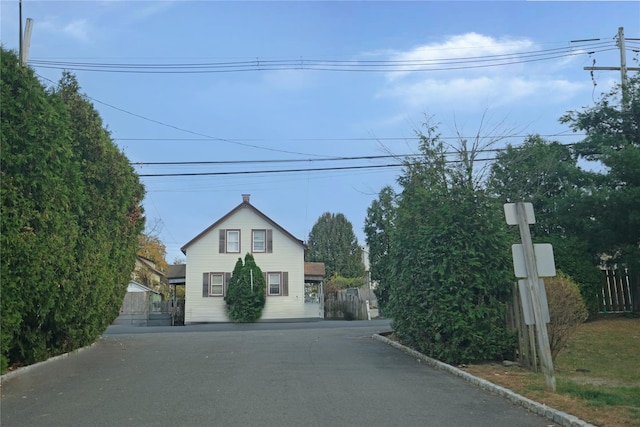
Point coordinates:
[[612, 127], [70, 218], [246, 292], [451, 260], [378, 227], [547, 175], [333, 242]]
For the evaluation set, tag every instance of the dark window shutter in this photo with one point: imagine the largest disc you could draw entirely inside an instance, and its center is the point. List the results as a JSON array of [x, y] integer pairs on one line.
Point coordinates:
[[227, 279], [285, 284], [223, 241], [266, 282], [269, 241], [205, 285]]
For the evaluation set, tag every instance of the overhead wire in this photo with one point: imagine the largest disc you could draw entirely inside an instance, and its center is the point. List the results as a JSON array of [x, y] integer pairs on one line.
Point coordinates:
[[381, 65], [373, 138], [341, 158], [390, 65]]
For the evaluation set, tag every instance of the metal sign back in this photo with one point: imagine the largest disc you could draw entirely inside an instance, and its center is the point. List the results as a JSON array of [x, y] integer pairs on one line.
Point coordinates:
[[545, 263], [511, 214]]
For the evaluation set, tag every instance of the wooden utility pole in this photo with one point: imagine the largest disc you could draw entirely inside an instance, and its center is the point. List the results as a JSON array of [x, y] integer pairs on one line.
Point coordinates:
[[24, 40], [20, 30], [622, 68]]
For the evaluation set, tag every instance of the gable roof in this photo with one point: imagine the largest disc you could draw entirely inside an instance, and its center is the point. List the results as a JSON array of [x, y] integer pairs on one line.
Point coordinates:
[[151, 265], [244, 205], [176, 274], [176, 271], [134, 286], [314, 269]]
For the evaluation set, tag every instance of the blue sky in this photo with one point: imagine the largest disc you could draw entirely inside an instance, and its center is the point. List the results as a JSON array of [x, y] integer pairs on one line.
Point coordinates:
[[303, 114]]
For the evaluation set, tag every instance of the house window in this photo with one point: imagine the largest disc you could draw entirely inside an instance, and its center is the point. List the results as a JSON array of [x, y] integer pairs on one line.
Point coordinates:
[[259, 241], [273, 283], [277, 283], [216, 287], [233, 241]]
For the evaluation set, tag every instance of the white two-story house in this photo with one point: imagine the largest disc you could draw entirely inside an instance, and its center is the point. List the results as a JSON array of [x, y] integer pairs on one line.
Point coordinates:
[[212, 255]]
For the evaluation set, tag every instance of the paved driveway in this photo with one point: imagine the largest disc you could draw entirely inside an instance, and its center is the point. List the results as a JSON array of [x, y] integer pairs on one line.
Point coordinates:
[[306, 374]]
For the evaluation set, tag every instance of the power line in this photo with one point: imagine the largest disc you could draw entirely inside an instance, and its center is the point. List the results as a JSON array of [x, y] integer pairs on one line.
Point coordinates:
[[392, 138], [336, 168], [332, 159], [436, 64]]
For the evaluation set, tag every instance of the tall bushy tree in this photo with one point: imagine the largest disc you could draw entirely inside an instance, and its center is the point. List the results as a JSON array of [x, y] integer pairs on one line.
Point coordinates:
[[546, 174], [333, 242], [246, 292], [451, 260], [70, 218], [110, 218], [613, 141], [39, 231], [378, 228]]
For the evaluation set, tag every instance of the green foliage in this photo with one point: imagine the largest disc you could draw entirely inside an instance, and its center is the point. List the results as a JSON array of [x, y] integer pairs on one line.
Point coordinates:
[[546, 174], [451, 261], [613, 141], [333, 242], [335, 283], [246, 292], [572, 257], [70, 218], [378, 228]]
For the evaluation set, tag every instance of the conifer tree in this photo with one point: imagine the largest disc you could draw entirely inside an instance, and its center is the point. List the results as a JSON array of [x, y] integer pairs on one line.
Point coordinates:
[[245, 297]]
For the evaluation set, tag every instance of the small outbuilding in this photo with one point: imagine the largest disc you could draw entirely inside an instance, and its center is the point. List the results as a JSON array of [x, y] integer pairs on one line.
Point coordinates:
[[139, 302]]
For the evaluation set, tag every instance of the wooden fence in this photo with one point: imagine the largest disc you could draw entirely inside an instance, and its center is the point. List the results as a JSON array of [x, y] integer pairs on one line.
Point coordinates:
[[346, 304], [618, 292]]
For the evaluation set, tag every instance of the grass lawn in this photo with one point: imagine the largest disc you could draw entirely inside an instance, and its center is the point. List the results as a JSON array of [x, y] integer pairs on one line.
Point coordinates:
[[597, 374]]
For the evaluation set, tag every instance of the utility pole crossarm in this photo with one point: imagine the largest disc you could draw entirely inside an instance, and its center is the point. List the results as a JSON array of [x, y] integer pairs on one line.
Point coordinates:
[[610, 68]]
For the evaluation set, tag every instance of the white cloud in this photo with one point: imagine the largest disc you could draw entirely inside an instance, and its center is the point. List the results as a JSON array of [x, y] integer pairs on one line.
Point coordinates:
[[152, 8], [79, 30], [469, 89], [454, 52]]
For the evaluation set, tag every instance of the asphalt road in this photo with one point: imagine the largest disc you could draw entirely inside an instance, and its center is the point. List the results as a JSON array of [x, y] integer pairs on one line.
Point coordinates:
[[272, 374]]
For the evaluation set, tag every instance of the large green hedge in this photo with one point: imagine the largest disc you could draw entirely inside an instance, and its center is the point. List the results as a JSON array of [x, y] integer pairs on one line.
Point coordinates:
[[450, 259], [70, 218]]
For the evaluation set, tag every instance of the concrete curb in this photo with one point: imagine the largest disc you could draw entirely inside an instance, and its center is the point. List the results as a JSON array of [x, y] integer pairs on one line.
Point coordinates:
[[559, 417], [27, 368]]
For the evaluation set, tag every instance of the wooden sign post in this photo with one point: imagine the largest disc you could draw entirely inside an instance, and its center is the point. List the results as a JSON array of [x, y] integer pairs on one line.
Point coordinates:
[[522, 216]]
